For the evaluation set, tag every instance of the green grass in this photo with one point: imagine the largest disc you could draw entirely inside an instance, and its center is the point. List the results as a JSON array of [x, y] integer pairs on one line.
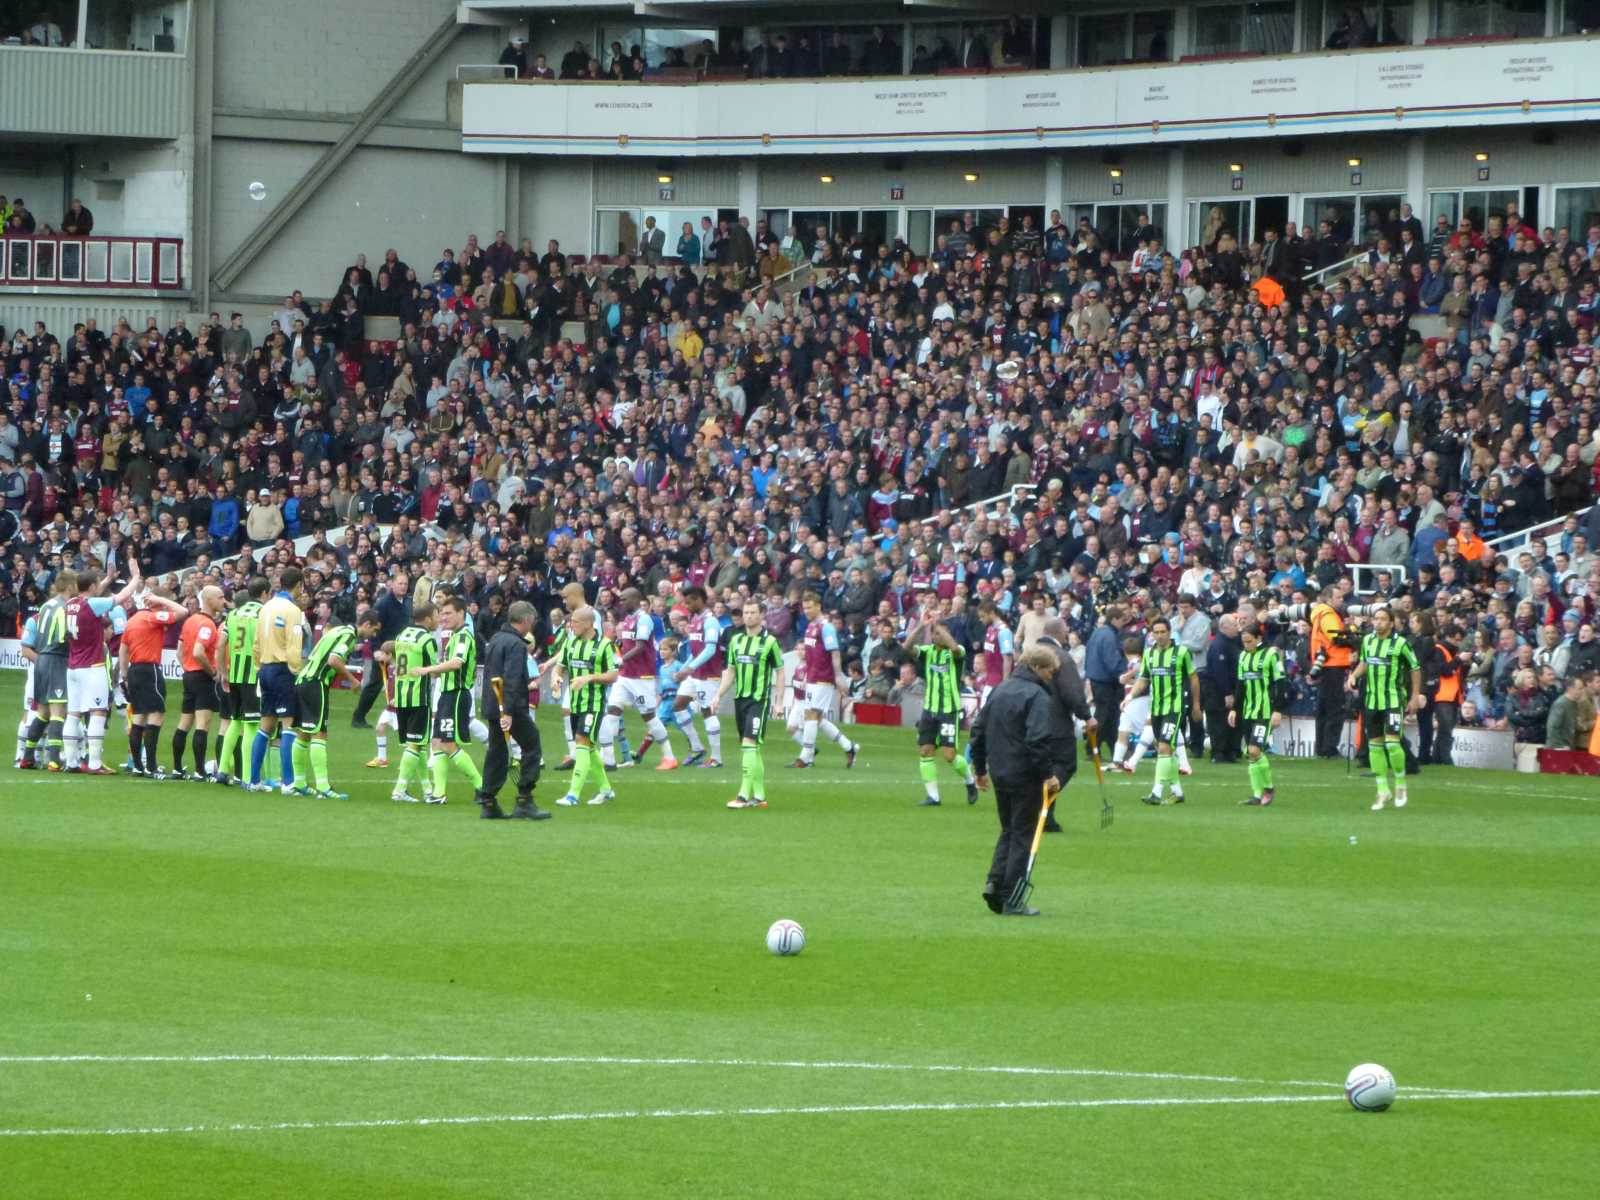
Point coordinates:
[[1453, 942]]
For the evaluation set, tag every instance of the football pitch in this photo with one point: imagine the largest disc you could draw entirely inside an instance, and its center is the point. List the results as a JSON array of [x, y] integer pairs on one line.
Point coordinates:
[[212, 993]]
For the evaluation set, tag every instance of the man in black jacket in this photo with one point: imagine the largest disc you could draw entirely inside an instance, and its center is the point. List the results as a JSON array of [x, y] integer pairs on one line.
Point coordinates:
[[1015, 738], [505, 711], [1072, 704]]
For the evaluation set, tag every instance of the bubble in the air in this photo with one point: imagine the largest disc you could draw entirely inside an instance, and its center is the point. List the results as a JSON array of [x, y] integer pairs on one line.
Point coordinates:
[[258, 190]]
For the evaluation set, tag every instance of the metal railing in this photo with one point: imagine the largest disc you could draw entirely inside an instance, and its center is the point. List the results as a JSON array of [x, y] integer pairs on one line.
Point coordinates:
[[1317, 275], [1510, 543], [1007, 498], [61, 261]]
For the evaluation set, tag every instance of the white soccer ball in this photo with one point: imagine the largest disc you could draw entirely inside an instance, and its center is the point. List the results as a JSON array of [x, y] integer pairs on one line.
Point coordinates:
[[1369, 1088], [786, 938]]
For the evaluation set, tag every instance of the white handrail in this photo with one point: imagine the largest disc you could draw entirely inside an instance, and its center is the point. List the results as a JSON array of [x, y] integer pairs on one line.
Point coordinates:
[[1309, 276], [1008, 498], [1507, 543]]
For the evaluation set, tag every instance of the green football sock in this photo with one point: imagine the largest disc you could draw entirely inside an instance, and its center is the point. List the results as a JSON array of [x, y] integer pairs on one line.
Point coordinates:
[[462, 761], [301, 756], [962, 767], [410, 767], [758, 774], [1254, 771], [230, 742], [1397, 761], [1264, 765], [930, 776], [746, 773], [319, 763], [1378, 758], [597, 768], [1166, 772], [439, 772]]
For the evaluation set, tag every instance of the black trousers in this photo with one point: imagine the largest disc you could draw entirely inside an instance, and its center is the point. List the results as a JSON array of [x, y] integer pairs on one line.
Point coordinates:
[[1018, 808], [497, 756], [1224, 741], [1107, 706], [1438, 719], [1330, 710], [371, 689]]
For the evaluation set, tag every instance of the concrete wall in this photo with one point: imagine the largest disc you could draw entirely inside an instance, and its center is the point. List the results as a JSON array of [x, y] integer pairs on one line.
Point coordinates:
[[555, 203], [416, 201]]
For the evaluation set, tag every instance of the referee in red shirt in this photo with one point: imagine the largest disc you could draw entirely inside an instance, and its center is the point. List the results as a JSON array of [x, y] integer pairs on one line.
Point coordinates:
[[139, 668]]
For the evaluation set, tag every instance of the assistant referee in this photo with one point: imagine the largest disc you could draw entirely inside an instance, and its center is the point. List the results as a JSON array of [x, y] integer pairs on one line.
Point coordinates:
[[280, 653]]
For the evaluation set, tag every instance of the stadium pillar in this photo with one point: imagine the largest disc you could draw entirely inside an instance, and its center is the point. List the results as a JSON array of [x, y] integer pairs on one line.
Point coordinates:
[[1055, 166], [1177, 205], [1416, 176], [750, 189], [202, 49], [1060, 49]]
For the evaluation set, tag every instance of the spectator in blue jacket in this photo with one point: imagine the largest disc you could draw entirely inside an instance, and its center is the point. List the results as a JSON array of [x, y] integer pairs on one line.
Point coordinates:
[[224, 524]]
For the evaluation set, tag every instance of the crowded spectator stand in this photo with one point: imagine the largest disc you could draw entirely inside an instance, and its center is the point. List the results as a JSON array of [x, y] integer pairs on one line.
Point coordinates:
[[1019, 416]]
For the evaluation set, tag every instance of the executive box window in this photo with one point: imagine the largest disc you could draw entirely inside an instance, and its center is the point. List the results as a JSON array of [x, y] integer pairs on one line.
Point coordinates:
[[1339, 25], [1577, 210], [1266, 28], [1107, 39], [1476, 205], [1489, 18], [158, 26]]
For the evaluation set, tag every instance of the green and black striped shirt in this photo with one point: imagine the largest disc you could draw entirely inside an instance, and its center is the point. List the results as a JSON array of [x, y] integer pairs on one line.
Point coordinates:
[[240, 629], [1168, 673], [1389, 662], [414, 649], [50, 627], [461, 645], [1260, 671], [595, 655], [336, 642], [941, 679], [755, 659]]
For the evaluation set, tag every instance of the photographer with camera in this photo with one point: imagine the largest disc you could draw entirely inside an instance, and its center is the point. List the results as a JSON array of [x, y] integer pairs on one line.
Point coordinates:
[[1332, 647]]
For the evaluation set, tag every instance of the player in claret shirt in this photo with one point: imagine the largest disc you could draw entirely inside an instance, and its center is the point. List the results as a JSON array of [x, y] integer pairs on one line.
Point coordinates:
[[636, 686], [819, 661]]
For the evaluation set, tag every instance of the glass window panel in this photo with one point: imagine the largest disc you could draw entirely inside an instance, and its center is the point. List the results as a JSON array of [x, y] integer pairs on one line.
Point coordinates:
[[1337, 25], [616, 231], [671, 47], [1337, 211], [880, 227], [813, 225], [71, 261], [95, 255], [1479, 206], [1577, 211], [671, 221], [1210, 219], [1218, 29], [1446, 205], [168, 259], [1102, 39], [1269, 27], [19, 259], [1480, 18], [935, 47], [1152, 36], [1380, 215], [44, 260], [143, 258], [919, 230], [121, 262]]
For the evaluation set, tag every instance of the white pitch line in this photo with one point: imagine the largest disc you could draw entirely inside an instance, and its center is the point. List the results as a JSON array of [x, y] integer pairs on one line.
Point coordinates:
[[627, 1061], [658, 1114]]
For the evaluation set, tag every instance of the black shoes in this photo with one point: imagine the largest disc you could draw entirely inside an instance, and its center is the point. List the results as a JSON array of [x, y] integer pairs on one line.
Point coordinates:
[[527, 810], [972, 793], [360, 723], [566, 764], [992, 898], [490, 810], [1021, 910], [1051, 825]]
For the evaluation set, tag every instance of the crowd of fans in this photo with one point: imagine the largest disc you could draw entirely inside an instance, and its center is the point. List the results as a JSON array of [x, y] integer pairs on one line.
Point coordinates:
[[17, 220], [1019, 417], [788, 54]]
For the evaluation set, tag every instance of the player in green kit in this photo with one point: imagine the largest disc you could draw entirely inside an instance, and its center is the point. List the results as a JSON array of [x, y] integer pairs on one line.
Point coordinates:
[[413, 649], [939, 658], [1258, 703], [1167, 672], [452, 710], [755, 667], [241, 700], [1390, 677], [588, 666], [328, 661]]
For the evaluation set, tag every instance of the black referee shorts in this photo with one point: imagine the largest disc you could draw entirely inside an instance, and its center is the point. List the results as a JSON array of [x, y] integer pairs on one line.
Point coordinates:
[[147, 689], [199, 692]]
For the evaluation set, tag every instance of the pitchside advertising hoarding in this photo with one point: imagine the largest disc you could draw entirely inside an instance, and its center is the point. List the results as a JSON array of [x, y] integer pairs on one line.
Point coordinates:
[[1412, 88], [11, 659], [1492, 748]]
